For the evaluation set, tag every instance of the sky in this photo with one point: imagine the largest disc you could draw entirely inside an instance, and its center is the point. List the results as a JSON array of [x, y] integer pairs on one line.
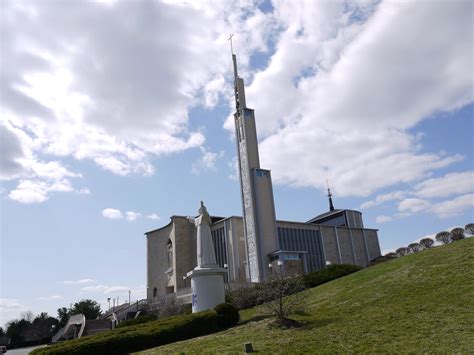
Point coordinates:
[[116, 115]]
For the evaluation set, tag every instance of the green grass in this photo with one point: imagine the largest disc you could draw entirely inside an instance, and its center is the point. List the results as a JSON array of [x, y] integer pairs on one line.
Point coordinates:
[[421, 303]]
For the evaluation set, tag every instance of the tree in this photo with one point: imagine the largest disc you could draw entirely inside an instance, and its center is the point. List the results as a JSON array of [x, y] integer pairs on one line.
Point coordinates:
[[44, 327], [402, 251], [276, 293], [89, 308], [415, 247], [427, 243], [16, 330], [63, 315], [469, 228], [444, 237], [2, 332], [457, 234], [391, 255]]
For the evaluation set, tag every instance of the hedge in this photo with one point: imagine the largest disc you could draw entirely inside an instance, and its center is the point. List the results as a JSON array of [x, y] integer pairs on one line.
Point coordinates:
[[139, 320], [228, 315], [139, 337], [330, 273]]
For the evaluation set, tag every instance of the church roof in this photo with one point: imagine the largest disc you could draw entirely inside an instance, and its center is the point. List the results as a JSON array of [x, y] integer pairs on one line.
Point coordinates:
[[325, 214]]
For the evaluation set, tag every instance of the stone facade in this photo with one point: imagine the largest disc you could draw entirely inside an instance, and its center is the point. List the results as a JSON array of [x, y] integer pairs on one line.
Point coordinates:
[[316, 244]]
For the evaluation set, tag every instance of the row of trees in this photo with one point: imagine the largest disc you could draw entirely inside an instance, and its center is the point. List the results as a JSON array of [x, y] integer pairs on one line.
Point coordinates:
[[31, 330], [444, 237]]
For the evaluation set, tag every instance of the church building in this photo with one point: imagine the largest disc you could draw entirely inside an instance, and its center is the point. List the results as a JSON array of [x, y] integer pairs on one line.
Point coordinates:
[[252, 246]]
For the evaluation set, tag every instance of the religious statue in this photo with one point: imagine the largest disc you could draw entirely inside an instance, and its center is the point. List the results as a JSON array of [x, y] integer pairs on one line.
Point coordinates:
[[205, 247]]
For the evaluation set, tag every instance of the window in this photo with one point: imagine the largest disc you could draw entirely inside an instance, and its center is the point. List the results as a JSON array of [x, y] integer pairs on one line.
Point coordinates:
[[155, 292], [169, 254]]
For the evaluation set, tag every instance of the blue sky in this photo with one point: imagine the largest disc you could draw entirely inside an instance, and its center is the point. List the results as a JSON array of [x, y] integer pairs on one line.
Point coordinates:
[[116, 115]]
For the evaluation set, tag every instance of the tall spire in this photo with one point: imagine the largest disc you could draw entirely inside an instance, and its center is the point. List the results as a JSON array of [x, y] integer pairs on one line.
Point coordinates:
[[238, 82], [331, 206]]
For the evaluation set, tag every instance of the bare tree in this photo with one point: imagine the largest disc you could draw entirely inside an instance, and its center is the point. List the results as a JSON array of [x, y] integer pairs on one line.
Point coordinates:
[[281, 294], [427, 243], [402, 251], [457, 234], [444, 237], [415, 247], [469, 228]]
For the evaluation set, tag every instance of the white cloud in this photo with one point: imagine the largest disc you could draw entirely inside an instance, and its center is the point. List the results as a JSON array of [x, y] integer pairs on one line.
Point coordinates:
[[413, 205], [153, 216], [50, 298], [395, 195], [207, 162], [383, 219], [132, 216], [350, 86], [449, 184], [112, 213], [10, 309], [37, 191], [80, 282], [454, 207], [69, 91]]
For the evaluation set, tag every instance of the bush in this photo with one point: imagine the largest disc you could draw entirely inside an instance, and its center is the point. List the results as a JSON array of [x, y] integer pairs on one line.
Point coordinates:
[[139, 320], [228, 315], [139, 337], [330, 273], [245, 295]]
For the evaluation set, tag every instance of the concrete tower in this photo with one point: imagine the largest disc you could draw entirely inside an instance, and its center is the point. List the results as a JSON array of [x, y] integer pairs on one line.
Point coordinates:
[[256, 187]]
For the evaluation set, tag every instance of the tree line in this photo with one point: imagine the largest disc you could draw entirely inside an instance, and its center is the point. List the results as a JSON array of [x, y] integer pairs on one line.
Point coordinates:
[[30, 330], [444, 237]]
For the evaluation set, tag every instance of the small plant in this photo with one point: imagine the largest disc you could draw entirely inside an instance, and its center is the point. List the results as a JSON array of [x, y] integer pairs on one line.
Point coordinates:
[[281, 294]]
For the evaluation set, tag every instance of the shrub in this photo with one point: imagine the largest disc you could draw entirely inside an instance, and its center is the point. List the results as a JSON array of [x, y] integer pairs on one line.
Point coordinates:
[[139, 337], [276, 291], [228, 315], [139, 320], [244, 295], [330, 273]]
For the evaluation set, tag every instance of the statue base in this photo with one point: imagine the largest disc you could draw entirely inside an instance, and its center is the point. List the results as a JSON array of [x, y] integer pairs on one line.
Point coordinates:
[[207, 287]]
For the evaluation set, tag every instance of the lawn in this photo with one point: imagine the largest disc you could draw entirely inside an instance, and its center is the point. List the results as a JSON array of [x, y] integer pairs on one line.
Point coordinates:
[[418, 303]]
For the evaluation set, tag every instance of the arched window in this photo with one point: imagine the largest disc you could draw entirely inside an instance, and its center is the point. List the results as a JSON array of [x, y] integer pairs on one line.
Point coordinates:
[[169, 254], [155, 292]]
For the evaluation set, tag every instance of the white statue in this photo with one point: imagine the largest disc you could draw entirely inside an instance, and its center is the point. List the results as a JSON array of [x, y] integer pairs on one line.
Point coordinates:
[[205, 247]]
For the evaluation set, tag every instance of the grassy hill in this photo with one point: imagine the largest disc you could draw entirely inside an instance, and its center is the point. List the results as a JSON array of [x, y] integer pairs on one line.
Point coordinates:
[[419, 303]]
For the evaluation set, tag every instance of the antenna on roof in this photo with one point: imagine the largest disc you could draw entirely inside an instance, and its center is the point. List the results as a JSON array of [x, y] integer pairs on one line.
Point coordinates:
[[331, 206]]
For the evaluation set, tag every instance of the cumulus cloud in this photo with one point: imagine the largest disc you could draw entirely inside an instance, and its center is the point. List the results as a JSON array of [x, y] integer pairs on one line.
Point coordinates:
[[207, 162], [350, 86], [112, 213], [132, 216], [454, 207], [153, 216], [447, 185], [383, 219], [69, 91], [395, 195]]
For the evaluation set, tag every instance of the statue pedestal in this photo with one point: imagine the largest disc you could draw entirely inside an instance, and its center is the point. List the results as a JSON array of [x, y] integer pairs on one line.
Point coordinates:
[[207, 285]]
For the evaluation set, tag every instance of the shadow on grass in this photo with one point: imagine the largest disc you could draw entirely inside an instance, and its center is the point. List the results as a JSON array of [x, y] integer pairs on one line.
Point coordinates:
[[254, 319], [318, 323]]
